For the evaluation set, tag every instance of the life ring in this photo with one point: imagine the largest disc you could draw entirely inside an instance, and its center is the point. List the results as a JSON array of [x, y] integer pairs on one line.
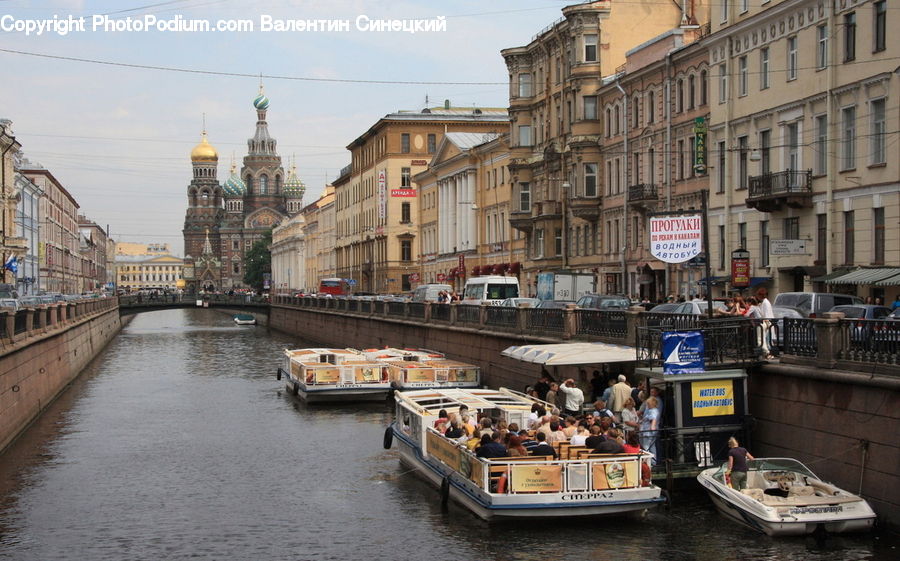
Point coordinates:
[[388, 438], [445, 491], [296, 388], [501, 484]]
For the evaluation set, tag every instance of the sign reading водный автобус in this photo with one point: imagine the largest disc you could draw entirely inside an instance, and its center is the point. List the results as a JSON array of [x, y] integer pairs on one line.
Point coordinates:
[[676, 239]]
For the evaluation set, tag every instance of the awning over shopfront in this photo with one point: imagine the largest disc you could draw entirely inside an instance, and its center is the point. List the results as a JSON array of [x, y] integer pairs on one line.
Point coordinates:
[[714, 280], [865, 276], [832, 275], [890, 281], [571, 353], [759, 280]]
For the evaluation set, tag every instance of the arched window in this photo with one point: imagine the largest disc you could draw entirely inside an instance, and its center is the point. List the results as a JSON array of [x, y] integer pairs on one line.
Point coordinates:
[[249, 182], [263, 184]]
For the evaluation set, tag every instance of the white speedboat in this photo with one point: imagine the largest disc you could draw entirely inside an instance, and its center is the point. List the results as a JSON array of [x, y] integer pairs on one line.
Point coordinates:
[[513, 487], [245, 319], [784, 498], [332, 375]]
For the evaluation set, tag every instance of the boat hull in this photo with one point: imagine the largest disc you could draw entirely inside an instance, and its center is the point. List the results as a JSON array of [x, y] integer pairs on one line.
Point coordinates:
[[337, 393], [495, 507]]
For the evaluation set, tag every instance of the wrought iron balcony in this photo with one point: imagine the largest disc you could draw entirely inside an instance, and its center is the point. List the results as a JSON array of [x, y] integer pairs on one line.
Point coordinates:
[[586, 208], [770, 192], [643, 194]]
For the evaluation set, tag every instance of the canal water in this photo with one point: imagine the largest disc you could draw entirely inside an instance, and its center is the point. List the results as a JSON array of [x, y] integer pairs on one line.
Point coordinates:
[[178, 443]]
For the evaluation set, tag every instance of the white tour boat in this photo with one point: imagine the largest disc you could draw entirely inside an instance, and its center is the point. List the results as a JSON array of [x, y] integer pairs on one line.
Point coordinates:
[[320, 375], [783, 498], [411, 369], [582, 484]]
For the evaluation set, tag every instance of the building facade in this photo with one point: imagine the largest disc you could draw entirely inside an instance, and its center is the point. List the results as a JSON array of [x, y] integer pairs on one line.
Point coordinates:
[[92, 254], [28, 224], [289, 251], [135, 272], [12, 245]]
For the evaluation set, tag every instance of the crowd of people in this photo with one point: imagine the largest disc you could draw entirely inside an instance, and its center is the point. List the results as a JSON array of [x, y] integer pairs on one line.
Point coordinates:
[[446, 297]]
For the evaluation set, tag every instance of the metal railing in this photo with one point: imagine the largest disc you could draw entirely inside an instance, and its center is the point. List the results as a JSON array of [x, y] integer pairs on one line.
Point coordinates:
[[785, 182], [601, 323], [871, 341], [643, 192], [417, 310], [541, 320], [496, 316], [440, 312], [797, 337], [468, 314], [726, 342]]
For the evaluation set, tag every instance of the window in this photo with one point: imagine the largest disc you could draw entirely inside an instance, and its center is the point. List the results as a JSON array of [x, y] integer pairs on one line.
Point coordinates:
[[691, 94], [405, 177], [877, 134], [590, 180], [608, 122], [432, 143], [679, 96], [764, 243], [405, 214], [703, 87], [879, 35], [723, 83], [721, 174], [849, 240], [608, 236], [235, 245], [742, 75], [406, 250], [235, 267], [745, 5], [404, 143], [538, 243], [878, 250], [557, 241], [792, 228], [635, 112], [651, 165], [590, 107], [263, 184], [792, 58], [821, 144], [792, 134], [822, 46], [590, 48], [524, 197], [821, 238], [525, 135], [725, 11], [651, 106], [679, 168], [849, 39], [742, 235], [764, 68], [765, 148], [743, 153], [848, 139], [525, 85], [617, 120], [721, 246]]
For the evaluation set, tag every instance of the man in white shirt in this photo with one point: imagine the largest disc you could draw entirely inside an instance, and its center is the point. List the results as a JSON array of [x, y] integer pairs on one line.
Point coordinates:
[[767, 313], [574, 397]]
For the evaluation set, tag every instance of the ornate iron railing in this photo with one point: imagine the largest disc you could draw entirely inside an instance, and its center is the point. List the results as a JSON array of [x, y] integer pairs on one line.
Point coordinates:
[[601, 323], [777, 183]]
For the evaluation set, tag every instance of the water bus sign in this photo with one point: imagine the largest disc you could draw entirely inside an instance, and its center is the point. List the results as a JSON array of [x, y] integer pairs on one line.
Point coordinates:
[[676, 239]]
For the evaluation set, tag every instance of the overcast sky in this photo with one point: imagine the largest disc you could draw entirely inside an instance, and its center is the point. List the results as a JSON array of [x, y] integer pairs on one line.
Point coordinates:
[[119, 137]]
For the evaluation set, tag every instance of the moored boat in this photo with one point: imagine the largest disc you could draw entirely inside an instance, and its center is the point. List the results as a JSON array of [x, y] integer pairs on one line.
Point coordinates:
[[783, 498], [582, 484], [332, 375], [410, 369], [245, 319]]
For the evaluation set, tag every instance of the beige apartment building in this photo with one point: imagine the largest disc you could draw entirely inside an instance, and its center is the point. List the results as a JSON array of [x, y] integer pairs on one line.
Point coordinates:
[[377, 242], [148, 272], [131, 248], [289, 250], [11, 244], [556, 128], [92, 253], [803, 126], [319, 234], [465, 202]]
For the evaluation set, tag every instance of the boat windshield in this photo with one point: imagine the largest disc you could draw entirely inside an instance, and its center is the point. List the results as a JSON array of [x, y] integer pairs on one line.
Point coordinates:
[[779, 464]]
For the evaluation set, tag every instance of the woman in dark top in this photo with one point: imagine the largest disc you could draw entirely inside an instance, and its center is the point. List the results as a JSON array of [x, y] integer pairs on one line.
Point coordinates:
[[737, 464]]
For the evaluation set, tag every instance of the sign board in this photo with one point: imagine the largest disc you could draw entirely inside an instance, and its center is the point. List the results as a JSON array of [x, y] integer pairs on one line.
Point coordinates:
[[700, 146], [382, 196], [461, 269], [710, 398], [440, 277], [676, 239], [740, 268], [788, 247], [699, 261], [532, 477], [683, 352], [267, 281], [403, 192], [414, 277], [418, 162]]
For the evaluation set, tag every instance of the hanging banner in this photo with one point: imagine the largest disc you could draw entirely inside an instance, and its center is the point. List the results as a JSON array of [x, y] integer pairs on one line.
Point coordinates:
[[382, 196], [740, 268], [676, 239], [683, 352]]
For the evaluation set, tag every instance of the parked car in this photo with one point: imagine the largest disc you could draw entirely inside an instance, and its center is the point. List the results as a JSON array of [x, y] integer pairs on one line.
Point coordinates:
[[30, 301], [9, 303], [699, 308], [520, 303], [429, 292], [814, 304], [779, 313], [603, 302], [553, 304], [667, 308], [863, 331]]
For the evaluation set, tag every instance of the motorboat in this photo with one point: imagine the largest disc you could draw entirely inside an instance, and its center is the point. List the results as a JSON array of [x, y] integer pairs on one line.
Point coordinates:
[[334, 375], [245, 319], [561, 485], [784, 498]]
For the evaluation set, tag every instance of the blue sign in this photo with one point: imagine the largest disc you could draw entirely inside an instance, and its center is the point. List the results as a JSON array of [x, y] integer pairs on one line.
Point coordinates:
[[351, 282], [683, 352]]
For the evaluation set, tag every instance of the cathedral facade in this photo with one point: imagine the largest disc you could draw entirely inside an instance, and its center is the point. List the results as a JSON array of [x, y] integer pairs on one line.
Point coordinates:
[[223, 221]]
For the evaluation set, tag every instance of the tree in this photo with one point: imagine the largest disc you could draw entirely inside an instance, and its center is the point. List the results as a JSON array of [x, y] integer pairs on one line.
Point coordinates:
[[258, 262]]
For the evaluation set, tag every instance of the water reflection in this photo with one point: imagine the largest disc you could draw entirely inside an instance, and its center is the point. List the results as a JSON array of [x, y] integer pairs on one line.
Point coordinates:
[[178, 442]]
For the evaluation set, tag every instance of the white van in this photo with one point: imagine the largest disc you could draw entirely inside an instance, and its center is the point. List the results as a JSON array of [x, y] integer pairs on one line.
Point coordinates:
[[491, 289], [429, 292]]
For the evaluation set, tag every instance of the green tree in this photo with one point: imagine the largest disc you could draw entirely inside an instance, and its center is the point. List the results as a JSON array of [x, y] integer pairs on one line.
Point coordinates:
[[258, 262]]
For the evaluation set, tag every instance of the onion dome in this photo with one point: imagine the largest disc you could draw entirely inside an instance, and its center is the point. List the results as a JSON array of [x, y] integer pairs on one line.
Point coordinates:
[[204, 152], [234, 186], [293, 187], [261, 102]]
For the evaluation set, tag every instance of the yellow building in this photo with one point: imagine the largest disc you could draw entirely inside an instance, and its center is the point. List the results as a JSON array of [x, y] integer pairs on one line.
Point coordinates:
[[376, 201], [319, 235], [148, 272], [128, 248], [465, 201], [12, 245], [803, 124]]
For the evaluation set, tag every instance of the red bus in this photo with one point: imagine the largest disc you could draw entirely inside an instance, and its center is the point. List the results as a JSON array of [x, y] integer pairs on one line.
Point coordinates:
[[335, 287]]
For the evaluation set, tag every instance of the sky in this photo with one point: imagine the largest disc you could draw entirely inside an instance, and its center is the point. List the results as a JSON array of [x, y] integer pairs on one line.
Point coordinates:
[[119, 137]]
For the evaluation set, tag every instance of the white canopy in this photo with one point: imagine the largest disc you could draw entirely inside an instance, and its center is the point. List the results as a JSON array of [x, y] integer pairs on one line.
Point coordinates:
[[572, 353]]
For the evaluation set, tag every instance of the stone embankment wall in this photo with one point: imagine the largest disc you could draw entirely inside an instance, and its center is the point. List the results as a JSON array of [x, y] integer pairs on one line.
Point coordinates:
[[42, 351]]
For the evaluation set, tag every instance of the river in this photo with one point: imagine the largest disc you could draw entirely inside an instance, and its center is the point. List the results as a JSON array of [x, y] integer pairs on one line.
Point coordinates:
[[177, 442]]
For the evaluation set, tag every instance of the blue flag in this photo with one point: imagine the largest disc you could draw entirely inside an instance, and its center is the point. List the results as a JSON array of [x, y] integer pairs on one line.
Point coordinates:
[[12, 264]]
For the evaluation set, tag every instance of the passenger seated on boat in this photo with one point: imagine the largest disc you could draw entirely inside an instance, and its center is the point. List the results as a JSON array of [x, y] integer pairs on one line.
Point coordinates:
[[442, 418], [595, 438], [571, 427], [632, 443], [556, 434], [611, 445], [535, 416], [492, 448], [455, 431], [515, 446], [580, 436], [542, 448], [545, 426], [485, 425], [474, 441], [527, 441], [468, 429]]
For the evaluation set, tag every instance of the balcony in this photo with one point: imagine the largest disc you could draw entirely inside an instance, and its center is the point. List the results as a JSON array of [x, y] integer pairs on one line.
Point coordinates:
[[521, 221], [771, 192], [586, 208], [643, 195]]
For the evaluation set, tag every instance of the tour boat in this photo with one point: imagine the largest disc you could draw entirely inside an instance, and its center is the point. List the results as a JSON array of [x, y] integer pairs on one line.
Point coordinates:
[[422, 369], [245, 319], [582, 484], [784, 498], [322, 375]]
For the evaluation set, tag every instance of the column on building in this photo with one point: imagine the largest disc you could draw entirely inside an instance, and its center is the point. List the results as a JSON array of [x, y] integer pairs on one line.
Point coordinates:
[[442, 222], [471, 212]]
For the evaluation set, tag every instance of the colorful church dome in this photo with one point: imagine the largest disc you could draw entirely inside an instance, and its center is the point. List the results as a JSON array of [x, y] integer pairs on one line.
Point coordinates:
[[234, 186], [261, 102], [293, 187], [204, 152]]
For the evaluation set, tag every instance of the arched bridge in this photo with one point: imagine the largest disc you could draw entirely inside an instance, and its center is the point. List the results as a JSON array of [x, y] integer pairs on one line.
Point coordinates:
[[137, 303]]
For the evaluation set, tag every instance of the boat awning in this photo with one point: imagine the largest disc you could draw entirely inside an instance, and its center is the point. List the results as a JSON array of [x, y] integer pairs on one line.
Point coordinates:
[[865, 276], [571, 353]]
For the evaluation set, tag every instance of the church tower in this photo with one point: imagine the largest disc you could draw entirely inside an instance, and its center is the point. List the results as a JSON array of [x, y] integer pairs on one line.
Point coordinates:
[[204, 212]]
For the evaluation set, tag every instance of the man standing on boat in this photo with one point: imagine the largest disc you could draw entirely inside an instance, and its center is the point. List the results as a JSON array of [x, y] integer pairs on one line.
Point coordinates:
[[574, 397]]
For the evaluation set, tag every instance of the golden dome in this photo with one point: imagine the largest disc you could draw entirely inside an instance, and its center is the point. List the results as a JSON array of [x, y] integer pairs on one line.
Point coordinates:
[[204, 152]]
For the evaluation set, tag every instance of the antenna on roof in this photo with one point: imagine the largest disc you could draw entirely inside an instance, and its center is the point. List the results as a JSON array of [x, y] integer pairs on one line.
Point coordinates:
[[204, 123]]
